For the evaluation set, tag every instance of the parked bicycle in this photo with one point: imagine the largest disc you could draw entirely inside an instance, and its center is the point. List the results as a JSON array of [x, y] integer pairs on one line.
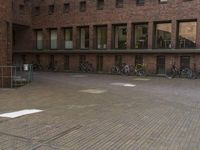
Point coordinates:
[[123, 69], [37, 67], [183, 72], [52, 66], [140, 70], [86, 67]]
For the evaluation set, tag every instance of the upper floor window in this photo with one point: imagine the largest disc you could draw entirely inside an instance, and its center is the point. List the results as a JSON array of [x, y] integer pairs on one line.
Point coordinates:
[[53, 39], [101, 37], [51, 9], [120, 34], [22, 9], [140, 2], [39, 39], [84, 37], [187, 33], [119, 3], [140, 36], [37, 11], [66, 8], [83, 6], [163, 1], [163, 35], [100, 4], [68, 38]]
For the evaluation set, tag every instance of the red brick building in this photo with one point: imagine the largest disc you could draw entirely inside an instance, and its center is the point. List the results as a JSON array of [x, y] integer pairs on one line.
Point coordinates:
[[156, 33], [5, 32]]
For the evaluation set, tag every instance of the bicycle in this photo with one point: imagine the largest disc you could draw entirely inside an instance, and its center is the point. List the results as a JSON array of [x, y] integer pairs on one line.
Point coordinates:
[[140, 70]]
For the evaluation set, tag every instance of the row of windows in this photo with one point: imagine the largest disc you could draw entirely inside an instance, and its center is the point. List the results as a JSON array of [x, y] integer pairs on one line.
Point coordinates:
[[162, 36], [118, 60], [83, 6]]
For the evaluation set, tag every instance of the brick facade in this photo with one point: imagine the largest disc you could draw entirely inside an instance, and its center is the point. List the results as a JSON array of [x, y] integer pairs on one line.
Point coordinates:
[[151, 12]]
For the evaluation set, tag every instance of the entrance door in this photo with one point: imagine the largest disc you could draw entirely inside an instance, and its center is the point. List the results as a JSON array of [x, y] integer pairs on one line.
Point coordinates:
[[99, 63], [160, 64]]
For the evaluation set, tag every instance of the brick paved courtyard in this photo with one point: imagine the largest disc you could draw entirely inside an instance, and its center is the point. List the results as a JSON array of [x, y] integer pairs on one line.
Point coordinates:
[[102, 112]]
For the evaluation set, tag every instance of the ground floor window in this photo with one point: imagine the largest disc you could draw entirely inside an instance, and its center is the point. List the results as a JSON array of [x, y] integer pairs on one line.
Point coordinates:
[[118, 60], [101, 38], [187, 32], [120, 32], [160, 65], [37, 59], [66, 62], [138, 59], [23, 59], [185, 62], [82, 59], [99, 63], [163, 35], [140, 35]]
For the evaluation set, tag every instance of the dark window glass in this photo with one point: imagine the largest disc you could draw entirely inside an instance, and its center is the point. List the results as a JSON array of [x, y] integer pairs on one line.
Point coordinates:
[[51, 9], [118, 60], [100, 4], [66, 8], [141, 36], [187, 34], [185, 62], [140, 2], [37, 10], [120, 32], [163, 35], [99, 63], [66, 62], [82, 59], [119, 3], [21, 9], [37, 59], [138, 59], [101, 38], [82, 6]]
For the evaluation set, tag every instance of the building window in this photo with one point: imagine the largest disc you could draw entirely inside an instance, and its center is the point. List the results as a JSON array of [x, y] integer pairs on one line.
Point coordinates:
[[185, 62], [83, 6], [99, 63], [163, 1], [140, 35], [66, 62], [82, 59], [140, 2], [119, 3], [39, 39], [51, 9], [120, 32], [66, 8], [84, 37], [37, 10], [53, 39], [100, 4], [68, 38], [21, 9], [187, 32], [101, 38], [138, 60], [118, 60], [163, 35], [37, 59]]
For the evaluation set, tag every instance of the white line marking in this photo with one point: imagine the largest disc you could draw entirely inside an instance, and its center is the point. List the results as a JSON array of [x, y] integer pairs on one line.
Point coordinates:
[[93, 91], [141, 79], [123, 84], [20, 113]]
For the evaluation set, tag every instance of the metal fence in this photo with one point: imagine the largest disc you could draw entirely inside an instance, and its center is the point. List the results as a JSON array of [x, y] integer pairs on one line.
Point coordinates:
[[15, 75]]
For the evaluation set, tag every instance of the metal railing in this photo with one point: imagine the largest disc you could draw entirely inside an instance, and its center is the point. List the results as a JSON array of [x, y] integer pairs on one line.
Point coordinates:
[[15, 75]]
